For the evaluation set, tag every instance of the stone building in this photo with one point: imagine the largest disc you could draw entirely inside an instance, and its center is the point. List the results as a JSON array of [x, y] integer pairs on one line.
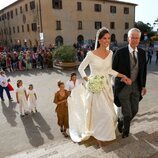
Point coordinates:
[[31, 22]]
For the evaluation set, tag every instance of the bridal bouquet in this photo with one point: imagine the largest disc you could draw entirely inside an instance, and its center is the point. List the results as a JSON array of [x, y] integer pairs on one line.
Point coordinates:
[[95, 84]]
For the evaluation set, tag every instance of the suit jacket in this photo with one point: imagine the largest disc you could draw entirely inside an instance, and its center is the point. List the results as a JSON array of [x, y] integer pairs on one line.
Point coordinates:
[[121, 63]]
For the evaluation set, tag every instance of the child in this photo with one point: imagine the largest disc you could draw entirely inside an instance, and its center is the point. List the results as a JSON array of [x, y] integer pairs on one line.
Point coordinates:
[[32, 97], [62, 109], [21, 97]]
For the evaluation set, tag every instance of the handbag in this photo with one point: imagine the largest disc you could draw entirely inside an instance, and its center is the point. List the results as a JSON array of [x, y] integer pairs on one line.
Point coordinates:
[[10, 87]]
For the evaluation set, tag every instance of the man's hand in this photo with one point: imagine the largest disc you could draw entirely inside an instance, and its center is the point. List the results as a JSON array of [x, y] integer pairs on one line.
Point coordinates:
[[144, 91], [126, 80]]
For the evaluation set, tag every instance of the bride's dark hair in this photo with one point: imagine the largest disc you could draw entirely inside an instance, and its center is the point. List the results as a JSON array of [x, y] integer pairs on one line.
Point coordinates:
[[101, 35]]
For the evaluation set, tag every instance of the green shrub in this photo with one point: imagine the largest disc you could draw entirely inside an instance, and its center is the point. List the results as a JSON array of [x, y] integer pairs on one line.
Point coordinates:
[[65, 54]]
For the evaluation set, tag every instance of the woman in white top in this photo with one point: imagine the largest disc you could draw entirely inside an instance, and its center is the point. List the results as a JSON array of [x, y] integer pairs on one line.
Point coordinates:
[[73, 82], [4, 86], [93, 114]]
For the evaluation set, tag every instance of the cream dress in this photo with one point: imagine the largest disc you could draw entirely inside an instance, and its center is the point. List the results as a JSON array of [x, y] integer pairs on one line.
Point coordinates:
[[32, 99], [22, 99], [93, 114]]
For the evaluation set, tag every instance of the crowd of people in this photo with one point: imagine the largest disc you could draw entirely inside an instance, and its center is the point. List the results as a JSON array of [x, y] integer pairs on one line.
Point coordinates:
[[25, 59]]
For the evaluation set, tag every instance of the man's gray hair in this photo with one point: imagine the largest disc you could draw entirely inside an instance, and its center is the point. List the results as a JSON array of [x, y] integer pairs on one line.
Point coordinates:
[[134, 30]]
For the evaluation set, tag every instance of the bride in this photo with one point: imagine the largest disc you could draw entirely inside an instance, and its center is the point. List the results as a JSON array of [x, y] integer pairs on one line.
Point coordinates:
[[91, 113]]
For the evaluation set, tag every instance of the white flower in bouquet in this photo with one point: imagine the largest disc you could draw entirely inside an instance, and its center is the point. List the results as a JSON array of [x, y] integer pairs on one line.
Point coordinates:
[[95, 84]]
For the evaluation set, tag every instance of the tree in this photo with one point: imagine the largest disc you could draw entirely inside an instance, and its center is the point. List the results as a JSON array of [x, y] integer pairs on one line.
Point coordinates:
[[145, 29]]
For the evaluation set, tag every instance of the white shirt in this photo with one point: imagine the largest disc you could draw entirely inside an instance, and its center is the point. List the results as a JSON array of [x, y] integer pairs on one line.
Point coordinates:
[[70, 84], [131, 51], [3, 80]]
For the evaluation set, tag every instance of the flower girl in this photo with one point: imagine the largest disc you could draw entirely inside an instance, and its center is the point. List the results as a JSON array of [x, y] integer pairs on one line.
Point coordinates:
[[32, 97]]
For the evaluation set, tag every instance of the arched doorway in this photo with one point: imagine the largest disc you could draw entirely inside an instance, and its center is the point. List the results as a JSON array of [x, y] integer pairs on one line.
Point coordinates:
[[36, 42], [125, 37], [59, 41], [30, 43], [80, 39]]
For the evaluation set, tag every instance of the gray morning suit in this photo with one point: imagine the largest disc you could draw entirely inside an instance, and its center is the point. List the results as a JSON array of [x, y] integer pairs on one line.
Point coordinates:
[[128, 96]]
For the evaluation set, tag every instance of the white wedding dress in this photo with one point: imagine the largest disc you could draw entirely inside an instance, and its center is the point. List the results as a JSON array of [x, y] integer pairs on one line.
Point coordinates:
[[93, 114]]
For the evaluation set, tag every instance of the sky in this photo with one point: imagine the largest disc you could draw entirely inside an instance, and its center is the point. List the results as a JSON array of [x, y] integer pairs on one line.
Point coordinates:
[[146, 11]]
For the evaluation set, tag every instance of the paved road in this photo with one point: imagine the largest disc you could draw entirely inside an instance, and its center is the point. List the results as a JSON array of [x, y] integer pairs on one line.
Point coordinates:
[[18, 134]]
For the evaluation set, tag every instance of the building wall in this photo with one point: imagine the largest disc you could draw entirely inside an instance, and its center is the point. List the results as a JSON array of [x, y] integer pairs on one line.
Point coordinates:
[[69, 17]]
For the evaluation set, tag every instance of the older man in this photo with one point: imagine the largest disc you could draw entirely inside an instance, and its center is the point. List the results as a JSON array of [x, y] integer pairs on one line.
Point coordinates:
[[130, 61]]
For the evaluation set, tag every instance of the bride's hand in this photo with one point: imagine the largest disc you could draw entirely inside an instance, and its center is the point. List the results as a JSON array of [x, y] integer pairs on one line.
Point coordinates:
[[85, 78]]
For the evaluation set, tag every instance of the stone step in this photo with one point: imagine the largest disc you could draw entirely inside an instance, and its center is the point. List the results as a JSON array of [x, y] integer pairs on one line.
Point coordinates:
[[137, 149], [134, 146], [154, 155], [56, 149], [143, 142]]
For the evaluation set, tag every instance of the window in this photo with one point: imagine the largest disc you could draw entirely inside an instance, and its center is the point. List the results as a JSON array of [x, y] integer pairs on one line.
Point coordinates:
[[1, 32], [26, 7], [58, 25], [5, 32], [79, 6], [8, 15], [18, 29], [32, 5], [22, 27], [13, 29], [80, 25], [28, 28], [16, 11], [126, 25], [21, 9], [112, 25], [98, 25], [5, 17], [34, 26], [112, 9], [97, 7], [11, 14], [10, 32], [126, 10], [57, 4]]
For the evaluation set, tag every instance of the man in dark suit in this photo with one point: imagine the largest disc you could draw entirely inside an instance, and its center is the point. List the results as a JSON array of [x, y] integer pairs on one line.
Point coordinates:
[[130, 61]]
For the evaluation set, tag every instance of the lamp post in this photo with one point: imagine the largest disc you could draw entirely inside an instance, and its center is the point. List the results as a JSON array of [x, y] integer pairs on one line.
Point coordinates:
[[40, 26]]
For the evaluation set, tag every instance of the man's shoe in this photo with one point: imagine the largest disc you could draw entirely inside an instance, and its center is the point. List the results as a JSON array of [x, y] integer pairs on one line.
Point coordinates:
[[120, 126], [125, 135], [2, 99]]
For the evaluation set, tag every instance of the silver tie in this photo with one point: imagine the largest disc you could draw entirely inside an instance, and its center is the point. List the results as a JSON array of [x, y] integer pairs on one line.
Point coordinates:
[[134, 57]]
